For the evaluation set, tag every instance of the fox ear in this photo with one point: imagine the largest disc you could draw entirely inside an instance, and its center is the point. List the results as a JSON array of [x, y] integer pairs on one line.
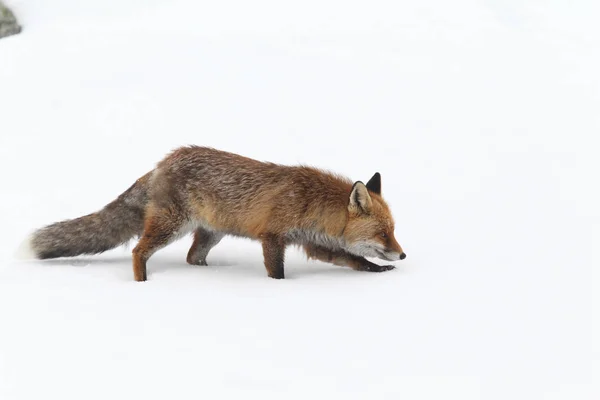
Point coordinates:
[[360, 200], [374, 184]]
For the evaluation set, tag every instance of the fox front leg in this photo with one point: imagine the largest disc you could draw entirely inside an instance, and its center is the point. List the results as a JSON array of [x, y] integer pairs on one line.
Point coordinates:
[[274, 253], [344, 259]]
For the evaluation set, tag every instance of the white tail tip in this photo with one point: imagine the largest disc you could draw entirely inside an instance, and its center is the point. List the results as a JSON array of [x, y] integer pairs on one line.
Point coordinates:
[[25, 250]]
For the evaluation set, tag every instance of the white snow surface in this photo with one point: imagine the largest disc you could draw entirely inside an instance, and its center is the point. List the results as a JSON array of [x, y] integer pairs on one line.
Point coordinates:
[[482, 117]]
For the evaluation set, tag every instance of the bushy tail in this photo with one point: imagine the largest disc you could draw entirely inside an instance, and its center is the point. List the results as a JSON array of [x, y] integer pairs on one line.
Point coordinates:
[[95, 233]]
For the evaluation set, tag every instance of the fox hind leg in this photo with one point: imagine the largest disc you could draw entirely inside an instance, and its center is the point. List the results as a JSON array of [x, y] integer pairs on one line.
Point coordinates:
[[204, 241], [161, 228]]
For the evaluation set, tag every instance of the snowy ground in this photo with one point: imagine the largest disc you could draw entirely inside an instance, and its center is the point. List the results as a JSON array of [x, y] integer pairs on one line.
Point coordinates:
[[482, 117]]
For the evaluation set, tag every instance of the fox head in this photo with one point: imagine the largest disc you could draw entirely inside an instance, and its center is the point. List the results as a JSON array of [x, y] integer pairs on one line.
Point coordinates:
[[369, 231]]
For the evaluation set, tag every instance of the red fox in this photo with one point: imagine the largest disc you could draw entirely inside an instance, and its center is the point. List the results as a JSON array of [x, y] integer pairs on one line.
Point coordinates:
[[213, 193]]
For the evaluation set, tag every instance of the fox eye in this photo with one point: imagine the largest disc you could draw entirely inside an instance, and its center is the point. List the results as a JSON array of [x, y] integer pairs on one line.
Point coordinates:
[[383, 235]]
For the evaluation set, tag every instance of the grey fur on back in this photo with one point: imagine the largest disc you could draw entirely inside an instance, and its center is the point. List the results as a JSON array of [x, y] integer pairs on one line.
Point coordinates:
[[114, 225]]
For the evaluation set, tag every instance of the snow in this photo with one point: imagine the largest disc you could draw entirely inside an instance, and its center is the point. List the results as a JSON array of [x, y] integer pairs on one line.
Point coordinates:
[[482, 117]]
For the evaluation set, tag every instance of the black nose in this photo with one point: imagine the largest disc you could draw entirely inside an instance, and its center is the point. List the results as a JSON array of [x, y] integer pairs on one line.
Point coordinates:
[[402, 256]]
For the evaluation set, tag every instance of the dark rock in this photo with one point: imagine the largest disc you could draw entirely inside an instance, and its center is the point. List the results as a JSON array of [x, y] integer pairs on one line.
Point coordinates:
[[8, 22]]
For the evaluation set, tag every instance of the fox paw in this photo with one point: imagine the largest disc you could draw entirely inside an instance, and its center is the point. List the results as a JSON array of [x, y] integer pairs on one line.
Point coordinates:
[[197, 262], [378, 268]]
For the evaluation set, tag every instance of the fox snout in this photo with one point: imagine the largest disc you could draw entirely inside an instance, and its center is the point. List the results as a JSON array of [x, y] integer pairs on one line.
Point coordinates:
[[393, 249], [393, 256]]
